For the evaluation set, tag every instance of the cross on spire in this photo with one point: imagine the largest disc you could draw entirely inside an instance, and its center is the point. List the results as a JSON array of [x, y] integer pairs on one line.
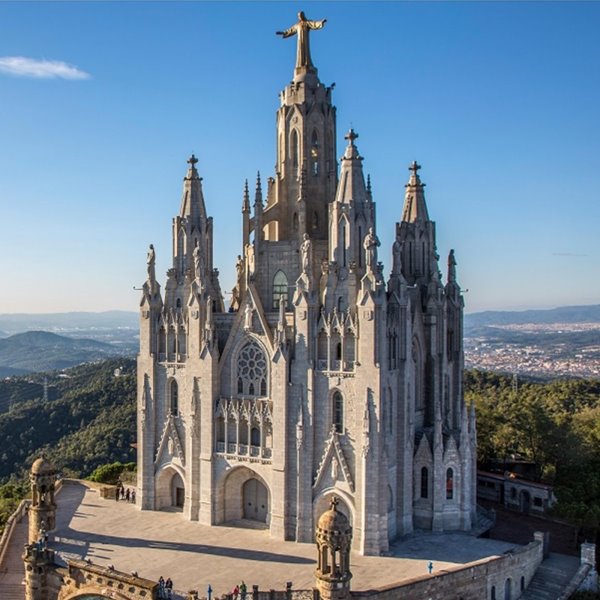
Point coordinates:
[[192, 161], [414, 167], [351, 136]]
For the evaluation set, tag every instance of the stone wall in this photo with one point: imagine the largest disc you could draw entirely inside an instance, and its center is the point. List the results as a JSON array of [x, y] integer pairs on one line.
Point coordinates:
[[84, 578], [479, 580]]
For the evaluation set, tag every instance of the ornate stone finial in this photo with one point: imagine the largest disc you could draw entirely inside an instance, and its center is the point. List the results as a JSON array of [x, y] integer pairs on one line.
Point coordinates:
[[351, 136], [369, 191], [414, 167], [246, 200], [192, 161], [258, 192], [301, 29]]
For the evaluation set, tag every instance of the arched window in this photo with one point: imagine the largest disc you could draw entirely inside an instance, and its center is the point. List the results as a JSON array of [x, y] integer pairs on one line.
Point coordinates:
[[522, 583], [178, 303], [173, 399], [493, 594], [295, 222], [294, 147], [424, 482], [280, 288], [449, 484], [252, 370], [315, 221], [338, 412], [255, 436]]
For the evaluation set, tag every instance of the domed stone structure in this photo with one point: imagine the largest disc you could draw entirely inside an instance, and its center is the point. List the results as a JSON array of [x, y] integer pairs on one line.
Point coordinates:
[[42, 513], [334, 539]]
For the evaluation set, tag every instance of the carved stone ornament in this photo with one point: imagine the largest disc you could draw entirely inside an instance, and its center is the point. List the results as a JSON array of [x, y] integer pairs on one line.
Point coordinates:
[[145, 314], [303, 315], [368, 314], [195, 314]]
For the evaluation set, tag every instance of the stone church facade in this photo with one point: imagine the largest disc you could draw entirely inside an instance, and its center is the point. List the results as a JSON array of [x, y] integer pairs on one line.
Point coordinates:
[[323, 377]]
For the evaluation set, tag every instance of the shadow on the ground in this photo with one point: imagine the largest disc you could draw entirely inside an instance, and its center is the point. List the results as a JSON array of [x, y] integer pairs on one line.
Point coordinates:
[[76, 544]]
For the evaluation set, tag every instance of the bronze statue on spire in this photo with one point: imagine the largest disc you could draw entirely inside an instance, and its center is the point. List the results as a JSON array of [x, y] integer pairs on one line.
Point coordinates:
[[301, 29]]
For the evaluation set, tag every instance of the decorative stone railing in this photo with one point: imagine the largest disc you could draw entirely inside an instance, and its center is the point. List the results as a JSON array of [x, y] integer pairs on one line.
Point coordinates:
[[243, 450]]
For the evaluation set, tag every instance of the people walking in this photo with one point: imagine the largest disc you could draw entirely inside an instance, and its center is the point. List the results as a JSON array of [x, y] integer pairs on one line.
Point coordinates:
[[169, 587], [243, 590]]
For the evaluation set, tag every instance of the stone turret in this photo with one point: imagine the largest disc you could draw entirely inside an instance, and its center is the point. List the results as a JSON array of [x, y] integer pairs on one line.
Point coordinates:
[[334, 538], [42, 513], [39, 563]]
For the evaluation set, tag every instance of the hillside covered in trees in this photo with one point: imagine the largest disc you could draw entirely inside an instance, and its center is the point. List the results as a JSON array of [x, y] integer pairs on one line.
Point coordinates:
[[556, 425], [88, 419]]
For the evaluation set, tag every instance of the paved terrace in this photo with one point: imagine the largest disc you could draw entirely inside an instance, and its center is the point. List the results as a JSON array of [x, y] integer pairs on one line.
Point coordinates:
[[194, 555]]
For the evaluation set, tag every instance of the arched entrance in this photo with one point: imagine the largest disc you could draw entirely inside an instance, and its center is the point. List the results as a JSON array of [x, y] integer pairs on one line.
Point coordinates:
[[243, 494], [255, 500], [170, 489]]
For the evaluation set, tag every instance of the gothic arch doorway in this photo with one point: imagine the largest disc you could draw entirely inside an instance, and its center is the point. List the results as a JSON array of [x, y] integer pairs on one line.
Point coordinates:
[[170, 490], [255, 501], [242, 494]]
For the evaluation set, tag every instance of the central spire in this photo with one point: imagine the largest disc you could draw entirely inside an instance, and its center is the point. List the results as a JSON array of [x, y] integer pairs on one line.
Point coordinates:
[[301, 29]]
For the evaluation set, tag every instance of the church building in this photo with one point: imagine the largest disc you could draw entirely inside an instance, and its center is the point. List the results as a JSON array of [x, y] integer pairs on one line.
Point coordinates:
[[324, 376]]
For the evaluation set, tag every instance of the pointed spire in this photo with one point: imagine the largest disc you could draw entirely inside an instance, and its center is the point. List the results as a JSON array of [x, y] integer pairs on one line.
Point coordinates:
[[351, 186], [258, 199], [246, 200], [369, 190], [415, 208], [192, 201]]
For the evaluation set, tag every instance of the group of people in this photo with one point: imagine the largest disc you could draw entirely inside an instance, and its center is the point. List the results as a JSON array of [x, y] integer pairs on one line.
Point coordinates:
[[124, 494], [239, 592], [165, 588]]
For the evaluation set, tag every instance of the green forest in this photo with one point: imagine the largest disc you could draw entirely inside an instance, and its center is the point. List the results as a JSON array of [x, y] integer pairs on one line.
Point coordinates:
[[89, 421], [555, 424]]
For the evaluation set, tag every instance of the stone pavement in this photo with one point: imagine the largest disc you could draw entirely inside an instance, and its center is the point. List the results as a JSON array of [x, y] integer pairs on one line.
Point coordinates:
[[12, 570], [194, 555]]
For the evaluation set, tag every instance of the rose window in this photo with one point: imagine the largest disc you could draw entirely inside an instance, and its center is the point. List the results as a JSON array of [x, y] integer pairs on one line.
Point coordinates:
[[252, 371]]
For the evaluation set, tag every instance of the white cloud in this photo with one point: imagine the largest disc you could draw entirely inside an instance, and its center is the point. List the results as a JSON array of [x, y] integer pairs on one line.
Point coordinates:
[[40, 69]]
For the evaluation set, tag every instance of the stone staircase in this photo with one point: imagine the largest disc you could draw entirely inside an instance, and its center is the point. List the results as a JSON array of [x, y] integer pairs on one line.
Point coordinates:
[[551, 578]]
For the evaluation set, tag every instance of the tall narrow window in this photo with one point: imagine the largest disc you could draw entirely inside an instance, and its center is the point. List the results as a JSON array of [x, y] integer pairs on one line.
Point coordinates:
[[294, 147], [343, 244], [174, 400], [338, 412], [314, 153], [424, 482], [360, 254], [280, 289], [449, 484]]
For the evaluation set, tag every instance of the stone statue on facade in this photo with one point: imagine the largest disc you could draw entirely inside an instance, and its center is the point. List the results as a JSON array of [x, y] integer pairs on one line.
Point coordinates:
[[370, 245], [150, 265], [301, 29], [305, 253]]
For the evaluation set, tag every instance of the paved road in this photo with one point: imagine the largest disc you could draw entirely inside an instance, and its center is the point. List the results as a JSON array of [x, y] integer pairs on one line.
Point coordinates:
[[194, 555]]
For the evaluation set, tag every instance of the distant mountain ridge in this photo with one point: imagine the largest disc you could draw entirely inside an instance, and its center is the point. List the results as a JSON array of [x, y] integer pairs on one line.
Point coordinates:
[[68, 321], [35, 351], [562, 314]]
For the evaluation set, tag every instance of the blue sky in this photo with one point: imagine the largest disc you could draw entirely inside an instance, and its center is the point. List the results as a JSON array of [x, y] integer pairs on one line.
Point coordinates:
[[498, 101]]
